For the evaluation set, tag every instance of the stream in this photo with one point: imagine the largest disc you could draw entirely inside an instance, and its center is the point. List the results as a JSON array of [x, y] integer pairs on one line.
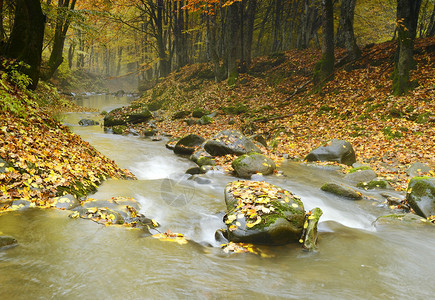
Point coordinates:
[[62, 258]]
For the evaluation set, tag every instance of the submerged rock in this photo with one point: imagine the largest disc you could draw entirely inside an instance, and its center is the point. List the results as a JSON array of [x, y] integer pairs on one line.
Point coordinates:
[[7, 241], [335, 151], [230, 142], [65, 202], [361, 176], [119, 210], [252, 163], [405, 219], [341, 190], [421, 196], [88, 122], [259, 212], [188, 144]]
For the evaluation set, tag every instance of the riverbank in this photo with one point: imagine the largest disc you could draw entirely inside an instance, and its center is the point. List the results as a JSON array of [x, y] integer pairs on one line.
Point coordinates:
[[40, 158], [275, 98]]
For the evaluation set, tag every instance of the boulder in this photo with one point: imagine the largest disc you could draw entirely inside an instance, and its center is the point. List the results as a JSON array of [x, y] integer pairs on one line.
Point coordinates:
[[310, 226], [262, 213], [401, 219], [361, 176], [335, 151], [259, 138], [373, 184], [341, 190], [417, 168], [421, 196], [88, 122], [198, 113], [7, 241], [205, 120], [188, 144], [252, 163], [134, 114], [230, 142], [180, 114]]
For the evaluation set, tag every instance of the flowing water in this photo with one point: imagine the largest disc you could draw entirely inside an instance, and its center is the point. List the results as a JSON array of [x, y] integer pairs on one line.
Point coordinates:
[[62, 258]]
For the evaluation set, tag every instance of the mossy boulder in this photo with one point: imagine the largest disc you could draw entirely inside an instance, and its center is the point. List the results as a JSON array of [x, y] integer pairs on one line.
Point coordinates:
[[205, 120], [404, 219], [262, 213], [205, 161], [310, 227], [252, 163], [230, 142], [133, 114], [188, 144], [180, 114], [198, 113], [7, 241], [341, 190], [334, 151], [119, 129], [421, 196]]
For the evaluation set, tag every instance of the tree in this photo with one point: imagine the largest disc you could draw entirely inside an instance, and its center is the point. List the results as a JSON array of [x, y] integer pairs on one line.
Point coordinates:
[[325, 67], [25, 41], [407, 19], [63, 21], [345, 35]]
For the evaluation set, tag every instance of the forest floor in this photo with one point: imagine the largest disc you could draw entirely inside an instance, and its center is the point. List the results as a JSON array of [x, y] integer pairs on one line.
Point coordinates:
[[275, 98]]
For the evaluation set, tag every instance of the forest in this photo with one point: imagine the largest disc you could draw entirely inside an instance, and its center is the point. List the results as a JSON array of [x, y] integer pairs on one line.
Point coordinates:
[[209, 149]]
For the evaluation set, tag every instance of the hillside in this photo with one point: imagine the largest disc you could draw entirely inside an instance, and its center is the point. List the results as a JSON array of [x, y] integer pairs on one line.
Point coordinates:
[[275, 98]]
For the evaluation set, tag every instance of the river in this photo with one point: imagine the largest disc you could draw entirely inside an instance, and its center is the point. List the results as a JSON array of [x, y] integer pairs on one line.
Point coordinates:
[[62, 258]]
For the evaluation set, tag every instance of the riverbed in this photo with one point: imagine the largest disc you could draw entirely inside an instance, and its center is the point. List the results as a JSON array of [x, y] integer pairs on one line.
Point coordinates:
[[62, 258]]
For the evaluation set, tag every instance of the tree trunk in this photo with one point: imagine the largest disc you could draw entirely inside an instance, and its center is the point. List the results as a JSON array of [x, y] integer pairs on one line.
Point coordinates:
[[63, 21], [276, 28], [431, 27], [345, 34], [231, 42], [25, 41], [325, 67], [71, 55], [407, 18], [2, 29], [249, 32]]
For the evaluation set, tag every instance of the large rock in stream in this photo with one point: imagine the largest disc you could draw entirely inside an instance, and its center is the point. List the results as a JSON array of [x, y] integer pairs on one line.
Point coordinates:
[[334, 151], [188, 144], [252, 163], [7, 241], [421, 196], [230, 142], [262, 213], [133, 114]]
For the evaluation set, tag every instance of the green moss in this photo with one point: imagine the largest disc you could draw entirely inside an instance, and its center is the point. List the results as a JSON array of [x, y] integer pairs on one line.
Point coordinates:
[[119, 129], [420, 187], [373, 184], [353, 170]]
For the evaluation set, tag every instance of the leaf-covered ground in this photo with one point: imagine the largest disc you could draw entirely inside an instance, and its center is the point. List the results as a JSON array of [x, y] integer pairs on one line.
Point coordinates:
[[39, 157], [276, 98]]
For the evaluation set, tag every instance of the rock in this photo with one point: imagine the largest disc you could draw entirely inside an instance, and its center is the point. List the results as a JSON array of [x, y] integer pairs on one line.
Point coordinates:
[[171, 144], [341, 190], [118, 210], [198, 154], [417, 169], [259, 138], [88, 122], [373, 184], [156, 138], [180, 114], [262, 213], [421, 196], [361, 176], [194, 171], [200, 180], [65, 202], [407, 218], [119, 129], [252, 163], [205, 168], [3, 165], [230, 142], [7, 241], [205, 120], [310, 225], [133, 131], [205, 160], [133, 114], [335, 151], [198, 113], [150, 132], [190, 122], [119, 93], [188, 144]]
